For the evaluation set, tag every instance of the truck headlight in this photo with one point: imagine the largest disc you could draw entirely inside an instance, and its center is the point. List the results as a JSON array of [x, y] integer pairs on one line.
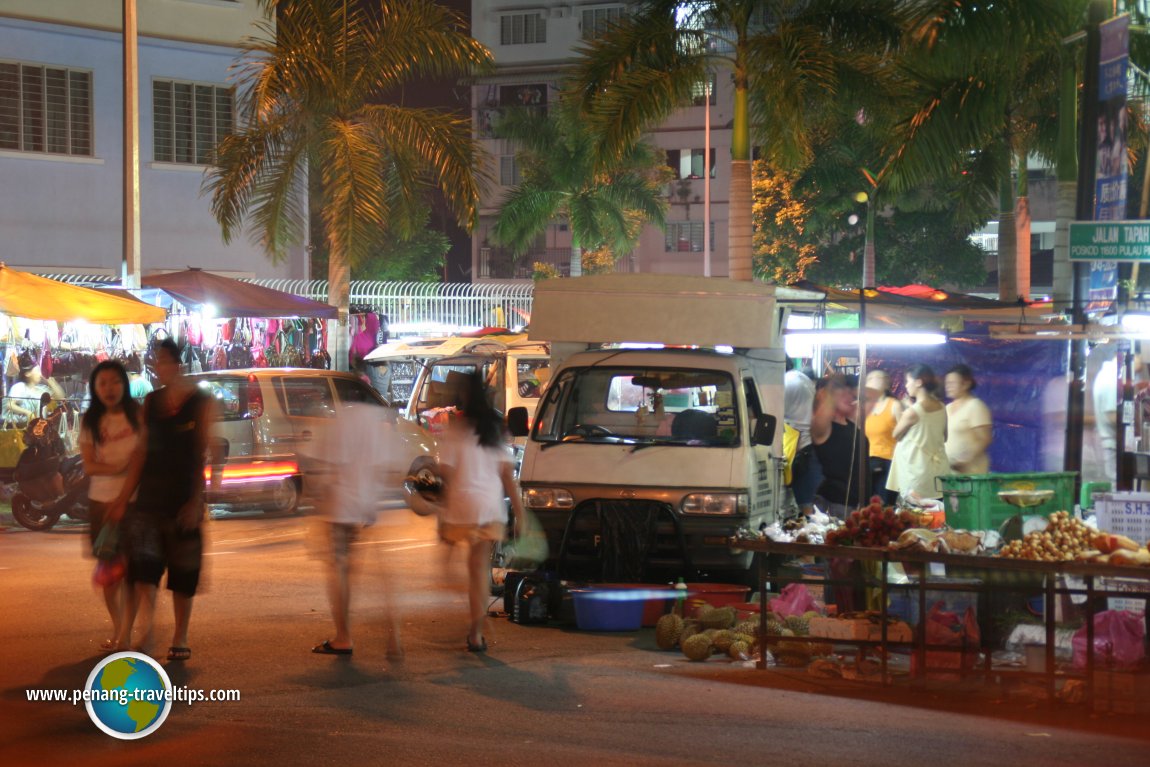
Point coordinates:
[[714, 503], [548, 498]]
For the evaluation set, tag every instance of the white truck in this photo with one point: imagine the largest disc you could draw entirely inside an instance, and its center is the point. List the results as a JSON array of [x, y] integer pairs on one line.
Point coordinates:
[[655, 439]]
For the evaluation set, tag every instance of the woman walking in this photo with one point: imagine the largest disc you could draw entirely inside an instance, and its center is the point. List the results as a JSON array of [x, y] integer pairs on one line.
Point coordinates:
[[109, 431], [478, 471], [969, 425], [920, 451], [881, 419]]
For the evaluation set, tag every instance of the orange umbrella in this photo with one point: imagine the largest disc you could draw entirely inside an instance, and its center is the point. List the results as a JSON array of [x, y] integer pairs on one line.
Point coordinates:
[[39, 298]]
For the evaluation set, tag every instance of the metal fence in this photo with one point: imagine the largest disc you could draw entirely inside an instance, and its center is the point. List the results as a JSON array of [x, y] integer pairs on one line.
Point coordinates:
[[411, 307]]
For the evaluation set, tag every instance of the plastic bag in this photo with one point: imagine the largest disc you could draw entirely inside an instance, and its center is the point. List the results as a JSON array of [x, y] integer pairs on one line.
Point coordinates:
[[1118, 636], [947, 628], [528, 549], [108, 572], [793, 600], [107, 543]]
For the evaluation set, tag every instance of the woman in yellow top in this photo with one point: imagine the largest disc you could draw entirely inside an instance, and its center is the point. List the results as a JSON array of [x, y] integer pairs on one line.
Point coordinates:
[[970, 427], [920, 439], [882, 416]]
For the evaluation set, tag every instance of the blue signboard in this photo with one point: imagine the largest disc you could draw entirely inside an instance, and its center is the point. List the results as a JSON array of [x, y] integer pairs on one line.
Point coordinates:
[[1110, 157]]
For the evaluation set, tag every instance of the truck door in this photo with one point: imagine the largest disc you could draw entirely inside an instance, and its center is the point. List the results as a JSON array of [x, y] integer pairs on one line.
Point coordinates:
[[763, 480]]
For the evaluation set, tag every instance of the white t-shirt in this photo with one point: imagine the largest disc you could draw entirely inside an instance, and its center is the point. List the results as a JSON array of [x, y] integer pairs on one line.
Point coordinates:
[[961, 419], [117, 441], [798, 400], [474, 494], [25, 396], [361, 445]]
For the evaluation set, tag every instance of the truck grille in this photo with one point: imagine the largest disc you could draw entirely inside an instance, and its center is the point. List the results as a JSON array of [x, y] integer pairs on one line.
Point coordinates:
[[623, 541]]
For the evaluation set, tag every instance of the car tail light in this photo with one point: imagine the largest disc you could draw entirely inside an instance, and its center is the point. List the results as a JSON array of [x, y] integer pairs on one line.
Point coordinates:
[[255, 398]]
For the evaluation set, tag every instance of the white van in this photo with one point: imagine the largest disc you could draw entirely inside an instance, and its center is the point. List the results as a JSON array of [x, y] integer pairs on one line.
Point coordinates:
[[641, 463]]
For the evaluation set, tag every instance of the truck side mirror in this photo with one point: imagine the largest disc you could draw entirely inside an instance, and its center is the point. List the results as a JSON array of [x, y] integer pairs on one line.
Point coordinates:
[[764, 433], [517, 422]]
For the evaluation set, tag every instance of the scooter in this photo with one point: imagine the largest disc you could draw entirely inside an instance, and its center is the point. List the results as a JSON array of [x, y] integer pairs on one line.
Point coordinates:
[[49, 483]]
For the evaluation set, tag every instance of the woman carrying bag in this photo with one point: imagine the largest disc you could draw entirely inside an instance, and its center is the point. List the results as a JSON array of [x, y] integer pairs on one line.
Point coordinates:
[[109, 431]]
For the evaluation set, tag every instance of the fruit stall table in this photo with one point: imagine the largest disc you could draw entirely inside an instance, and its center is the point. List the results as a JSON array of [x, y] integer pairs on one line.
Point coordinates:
[[1048, 572]]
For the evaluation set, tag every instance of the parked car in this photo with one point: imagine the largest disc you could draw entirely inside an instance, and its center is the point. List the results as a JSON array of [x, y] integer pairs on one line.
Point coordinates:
[[269, 420]]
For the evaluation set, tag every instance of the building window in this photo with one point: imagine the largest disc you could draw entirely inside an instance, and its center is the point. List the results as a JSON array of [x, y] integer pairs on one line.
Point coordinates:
[[687, 236], [688, 163], [508, 170], [45, 109], [189, 120], [597, 20], [699, 92], [522, 29]]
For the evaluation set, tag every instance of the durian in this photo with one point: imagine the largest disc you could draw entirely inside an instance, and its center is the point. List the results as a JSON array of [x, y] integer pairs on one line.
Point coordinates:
[[799, 624], [667, 631], [723, 640], [697, 647], [718, 618], [774, 628], [690, 629], [750, 628], [739, 650]]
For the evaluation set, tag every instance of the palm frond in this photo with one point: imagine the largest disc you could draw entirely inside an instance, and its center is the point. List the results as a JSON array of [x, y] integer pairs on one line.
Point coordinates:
[[525, 213], [355, 212]]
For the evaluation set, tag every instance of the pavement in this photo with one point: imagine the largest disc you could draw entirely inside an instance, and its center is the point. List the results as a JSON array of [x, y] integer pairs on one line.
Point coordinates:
[[542, 694]]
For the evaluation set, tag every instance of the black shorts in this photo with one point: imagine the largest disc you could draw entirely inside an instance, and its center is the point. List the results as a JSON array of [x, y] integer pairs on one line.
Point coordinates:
[[155, 544]]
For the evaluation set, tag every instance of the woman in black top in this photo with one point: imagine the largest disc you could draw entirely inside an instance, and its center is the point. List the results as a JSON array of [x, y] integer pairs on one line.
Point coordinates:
[[164, 526], [838, 443]]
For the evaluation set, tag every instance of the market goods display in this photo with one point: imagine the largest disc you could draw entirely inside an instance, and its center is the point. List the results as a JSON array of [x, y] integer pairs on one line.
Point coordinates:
[[1068, 539], [872, 525]]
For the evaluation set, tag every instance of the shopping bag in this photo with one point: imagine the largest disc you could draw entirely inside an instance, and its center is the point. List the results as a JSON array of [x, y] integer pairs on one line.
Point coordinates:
[[947, 628], [528, 549], [11, 446], [108, 572], [107, 543], [1118, 636]]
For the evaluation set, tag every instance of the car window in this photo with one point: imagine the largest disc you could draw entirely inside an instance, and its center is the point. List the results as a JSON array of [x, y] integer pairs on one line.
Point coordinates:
[[528, 381], [306, 396], [349, 390], [231, 396]]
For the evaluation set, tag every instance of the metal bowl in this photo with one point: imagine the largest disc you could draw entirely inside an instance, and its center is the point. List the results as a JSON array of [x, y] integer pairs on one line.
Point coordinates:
[[1026, 498]]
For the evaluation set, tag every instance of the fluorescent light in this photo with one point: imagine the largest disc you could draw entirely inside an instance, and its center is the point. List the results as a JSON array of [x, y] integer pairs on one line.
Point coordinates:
[[869, 337], [1134, 322]]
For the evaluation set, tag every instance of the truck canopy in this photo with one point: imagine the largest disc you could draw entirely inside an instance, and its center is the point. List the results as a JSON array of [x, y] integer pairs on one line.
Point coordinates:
[[665, 309]]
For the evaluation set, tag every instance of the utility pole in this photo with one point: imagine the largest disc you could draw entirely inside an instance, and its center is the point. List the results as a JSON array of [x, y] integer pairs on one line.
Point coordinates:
[[130, 267]]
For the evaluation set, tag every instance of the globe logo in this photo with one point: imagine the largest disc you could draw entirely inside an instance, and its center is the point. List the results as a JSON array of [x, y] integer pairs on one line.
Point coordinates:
[[128, 695]]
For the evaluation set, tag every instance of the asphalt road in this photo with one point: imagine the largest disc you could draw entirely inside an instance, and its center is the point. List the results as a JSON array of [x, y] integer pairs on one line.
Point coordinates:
[[547, 695]]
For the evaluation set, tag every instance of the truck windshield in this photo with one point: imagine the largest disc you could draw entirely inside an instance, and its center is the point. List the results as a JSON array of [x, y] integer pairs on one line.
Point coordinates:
[[641, 406]]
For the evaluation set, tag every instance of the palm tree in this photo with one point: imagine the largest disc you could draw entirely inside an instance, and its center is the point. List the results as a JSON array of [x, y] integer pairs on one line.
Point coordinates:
[[788, 60], [605, 207], [314, 129]]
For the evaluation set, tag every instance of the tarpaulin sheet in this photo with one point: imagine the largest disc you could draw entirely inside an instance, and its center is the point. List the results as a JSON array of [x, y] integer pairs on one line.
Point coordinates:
[[1022, 382]]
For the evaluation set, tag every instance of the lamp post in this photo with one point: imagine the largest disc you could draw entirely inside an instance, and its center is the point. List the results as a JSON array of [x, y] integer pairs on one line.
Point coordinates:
[[130, 272], [707, 178]]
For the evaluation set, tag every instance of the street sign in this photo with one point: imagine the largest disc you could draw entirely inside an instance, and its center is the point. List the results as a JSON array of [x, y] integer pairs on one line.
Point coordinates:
[[1110, 241]]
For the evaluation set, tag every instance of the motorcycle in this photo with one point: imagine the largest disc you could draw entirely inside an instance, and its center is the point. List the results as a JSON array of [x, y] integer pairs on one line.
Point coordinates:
[[49, 483]]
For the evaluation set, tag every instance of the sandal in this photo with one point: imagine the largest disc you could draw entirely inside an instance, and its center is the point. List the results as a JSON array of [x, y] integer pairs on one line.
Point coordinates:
[[327, 649], [179, 653], [481, 647]]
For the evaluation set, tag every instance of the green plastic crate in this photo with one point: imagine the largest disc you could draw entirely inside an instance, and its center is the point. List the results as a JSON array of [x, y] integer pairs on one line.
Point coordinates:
[[972, 501]]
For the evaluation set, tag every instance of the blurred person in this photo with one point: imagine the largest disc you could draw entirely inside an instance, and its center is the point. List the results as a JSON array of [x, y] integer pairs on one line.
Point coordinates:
[[23, 401], [883, 411], [798, 401], [139, 385], [969, 425], [839, 445], [359, 460], [478, 472], [165, 524], [109, 432], [920, 435]]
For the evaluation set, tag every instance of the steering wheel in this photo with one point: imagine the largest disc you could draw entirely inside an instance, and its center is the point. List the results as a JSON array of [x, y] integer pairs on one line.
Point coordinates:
[[587, 430]]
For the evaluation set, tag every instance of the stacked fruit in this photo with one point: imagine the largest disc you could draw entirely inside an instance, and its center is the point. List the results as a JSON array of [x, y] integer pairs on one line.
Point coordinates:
[[873, 526], [1064, 540]]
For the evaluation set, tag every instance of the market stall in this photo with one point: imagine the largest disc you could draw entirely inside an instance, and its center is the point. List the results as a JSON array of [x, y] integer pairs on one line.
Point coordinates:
[[53, 335]]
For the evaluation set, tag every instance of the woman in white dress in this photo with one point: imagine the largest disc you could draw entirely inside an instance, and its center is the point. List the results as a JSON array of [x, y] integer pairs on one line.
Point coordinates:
[[920, 448], [969, 425]]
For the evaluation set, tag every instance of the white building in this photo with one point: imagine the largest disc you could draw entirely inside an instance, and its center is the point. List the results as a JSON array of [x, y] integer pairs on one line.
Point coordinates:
[[61, 135], [531, 41]]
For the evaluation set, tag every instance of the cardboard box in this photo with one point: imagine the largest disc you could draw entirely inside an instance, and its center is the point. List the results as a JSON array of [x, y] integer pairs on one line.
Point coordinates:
[[848, 629]]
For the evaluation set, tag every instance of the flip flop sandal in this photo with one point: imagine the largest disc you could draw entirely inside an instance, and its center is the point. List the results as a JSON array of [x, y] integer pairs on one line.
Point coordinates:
[[327, 649], [179, 653], [481, 647]]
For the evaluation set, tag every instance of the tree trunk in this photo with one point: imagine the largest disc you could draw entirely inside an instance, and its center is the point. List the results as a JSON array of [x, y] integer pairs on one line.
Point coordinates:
[[739, 225], [1022, 230], [338, 295], [869, 280], [576, 260], [1065, 212], [1007, 240]]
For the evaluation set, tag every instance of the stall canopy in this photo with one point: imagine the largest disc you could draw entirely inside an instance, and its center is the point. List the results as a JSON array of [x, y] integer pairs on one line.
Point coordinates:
[[197, 290], [39, 298], [895, 306]]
